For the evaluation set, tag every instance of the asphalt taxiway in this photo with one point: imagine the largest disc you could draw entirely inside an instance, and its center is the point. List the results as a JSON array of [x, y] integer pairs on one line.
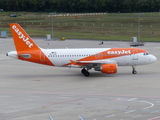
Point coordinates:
[[30, 91]]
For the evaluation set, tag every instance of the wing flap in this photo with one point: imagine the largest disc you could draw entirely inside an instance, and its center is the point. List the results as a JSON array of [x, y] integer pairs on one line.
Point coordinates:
[[95, 62]]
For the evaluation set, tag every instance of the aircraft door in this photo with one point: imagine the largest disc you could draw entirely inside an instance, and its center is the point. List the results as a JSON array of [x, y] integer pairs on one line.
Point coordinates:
[[135, 55], [42, 56]]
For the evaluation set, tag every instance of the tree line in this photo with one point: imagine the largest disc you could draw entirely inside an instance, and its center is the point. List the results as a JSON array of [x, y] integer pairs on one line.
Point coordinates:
[[80, 6]]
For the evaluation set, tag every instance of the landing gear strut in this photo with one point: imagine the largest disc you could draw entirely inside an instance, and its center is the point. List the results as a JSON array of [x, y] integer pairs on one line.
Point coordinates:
[[134, 71], [85, 72]]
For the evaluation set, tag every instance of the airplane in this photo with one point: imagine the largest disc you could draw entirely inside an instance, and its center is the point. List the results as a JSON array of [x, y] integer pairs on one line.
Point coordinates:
[[105, 60]]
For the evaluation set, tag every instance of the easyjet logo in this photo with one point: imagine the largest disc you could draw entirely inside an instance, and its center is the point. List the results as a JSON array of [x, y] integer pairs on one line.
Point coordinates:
[[122, 52], [22, 36]]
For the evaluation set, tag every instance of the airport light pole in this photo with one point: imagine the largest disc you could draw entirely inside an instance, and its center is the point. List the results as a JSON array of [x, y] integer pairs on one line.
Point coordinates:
[[52, 25], [139, 27]]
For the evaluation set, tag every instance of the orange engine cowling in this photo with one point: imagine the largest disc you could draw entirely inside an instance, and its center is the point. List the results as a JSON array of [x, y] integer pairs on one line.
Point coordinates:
[[109, 68]]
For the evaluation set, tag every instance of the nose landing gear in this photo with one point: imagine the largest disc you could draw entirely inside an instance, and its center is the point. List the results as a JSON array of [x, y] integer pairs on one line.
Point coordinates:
[[134, 70]]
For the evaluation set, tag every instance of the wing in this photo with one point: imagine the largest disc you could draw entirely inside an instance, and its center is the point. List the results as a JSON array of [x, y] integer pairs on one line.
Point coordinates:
[[92, 63]]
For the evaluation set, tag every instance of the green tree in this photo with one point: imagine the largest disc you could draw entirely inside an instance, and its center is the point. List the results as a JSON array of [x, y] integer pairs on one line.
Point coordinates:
[[81, 5]]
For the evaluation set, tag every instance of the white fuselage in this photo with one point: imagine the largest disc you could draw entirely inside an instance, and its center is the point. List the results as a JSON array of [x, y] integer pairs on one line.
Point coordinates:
[[60, 57]]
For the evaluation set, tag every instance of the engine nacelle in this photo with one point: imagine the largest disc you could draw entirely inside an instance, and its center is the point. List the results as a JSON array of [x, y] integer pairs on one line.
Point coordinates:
[[108, 68]]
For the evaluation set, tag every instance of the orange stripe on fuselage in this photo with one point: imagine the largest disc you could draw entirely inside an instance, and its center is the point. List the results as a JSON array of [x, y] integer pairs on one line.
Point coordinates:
[[108, 54]]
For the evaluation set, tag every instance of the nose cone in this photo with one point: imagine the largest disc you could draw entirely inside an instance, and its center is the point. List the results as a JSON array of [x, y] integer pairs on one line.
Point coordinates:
[[153, 59]]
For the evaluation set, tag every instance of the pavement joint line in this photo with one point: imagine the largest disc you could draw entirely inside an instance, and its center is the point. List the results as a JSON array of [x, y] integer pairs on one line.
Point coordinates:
[[155, 111]]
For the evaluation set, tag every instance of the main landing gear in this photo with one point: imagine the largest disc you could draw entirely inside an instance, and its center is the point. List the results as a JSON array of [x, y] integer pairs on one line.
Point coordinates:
[[134, 70], [85, 72]]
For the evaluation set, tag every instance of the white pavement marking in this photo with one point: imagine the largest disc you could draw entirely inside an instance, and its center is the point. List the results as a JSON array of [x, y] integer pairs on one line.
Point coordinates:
[[6, 96], [110, 116], [148, 103], [67, 95], [132, 99], [130, 111], [92, 99], [64, 97], [136, 116], [33, 96]]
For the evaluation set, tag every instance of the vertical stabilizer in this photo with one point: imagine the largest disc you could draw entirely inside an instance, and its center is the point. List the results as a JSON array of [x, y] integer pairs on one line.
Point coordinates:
[[22, 40], [26, 48]]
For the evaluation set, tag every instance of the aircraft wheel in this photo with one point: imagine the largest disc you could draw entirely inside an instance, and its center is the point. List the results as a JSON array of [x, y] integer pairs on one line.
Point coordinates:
[[134, 72], [83, 71], [86, 74]]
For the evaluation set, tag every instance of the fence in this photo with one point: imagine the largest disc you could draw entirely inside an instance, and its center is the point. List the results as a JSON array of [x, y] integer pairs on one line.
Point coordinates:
[[95, 25]]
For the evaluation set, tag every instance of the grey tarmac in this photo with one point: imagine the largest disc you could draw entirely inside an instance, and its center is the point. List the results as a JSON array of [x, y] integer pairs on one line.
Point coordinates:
[[31, 91]]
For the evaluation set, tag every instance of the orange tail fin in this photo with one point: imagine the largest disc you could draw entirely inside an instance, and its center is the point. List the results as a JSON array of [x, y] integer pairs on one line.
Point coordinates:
[[22, 40], [26, 48]]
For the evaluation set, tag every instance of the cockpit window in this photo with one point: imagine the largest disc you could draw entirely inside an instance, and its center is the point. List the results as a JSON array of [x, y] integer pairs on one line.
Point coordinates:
[[145, 53]]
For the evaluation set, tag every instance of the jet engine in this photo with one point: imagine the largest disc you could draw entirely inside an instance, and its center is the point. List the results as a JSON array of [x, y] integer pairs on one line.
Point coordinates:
[[107, 68]]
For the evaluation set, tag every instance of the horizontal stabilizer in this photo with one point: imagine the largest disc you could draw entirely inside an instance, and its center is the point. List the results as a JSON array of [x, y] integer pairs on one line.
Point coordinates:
[[25, 55]]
